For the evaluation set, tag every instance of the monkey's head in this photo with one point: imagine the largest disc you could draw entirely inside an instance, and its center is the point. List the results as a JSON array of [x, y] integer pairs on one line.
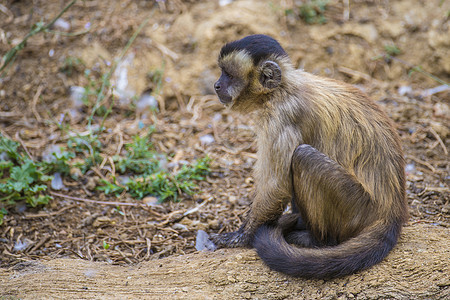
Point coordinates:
[[250, 69]]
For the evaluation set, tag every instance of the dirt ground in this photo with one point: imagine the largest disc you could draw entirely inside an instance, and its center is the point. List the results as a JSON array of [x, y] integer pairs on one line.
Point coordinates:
[[182, 40]]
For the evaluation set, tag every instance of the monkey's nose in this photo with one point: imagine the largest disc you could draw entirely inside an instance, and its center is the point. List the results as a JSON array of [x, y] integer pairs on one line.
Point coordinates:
[[217, 86]]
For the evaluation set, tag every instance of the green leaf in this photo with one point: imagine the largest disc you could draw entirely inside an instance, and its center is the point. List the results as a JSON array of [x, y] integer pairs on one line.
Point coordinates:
[[38, 200], [105, 245], [6, 164], [10, 147], [3, 212], [109, 188], [37, 188]]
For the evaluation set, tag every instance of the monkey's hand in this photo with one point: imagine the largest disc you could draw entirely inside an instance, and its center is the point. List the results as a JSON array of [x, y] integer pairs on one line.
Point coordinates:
[[234, 239]]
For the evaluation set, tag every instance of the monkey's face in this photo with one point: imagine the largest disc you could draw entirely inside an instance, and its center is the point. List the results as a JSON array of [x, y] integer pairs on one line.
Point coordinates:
[[234, 78], [243, 84], [228, 88]]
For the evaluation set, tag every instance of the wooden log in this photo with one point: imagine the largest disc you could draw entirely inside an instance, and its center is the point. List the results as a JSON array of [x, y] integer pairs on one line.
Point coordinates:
[[417, 268]]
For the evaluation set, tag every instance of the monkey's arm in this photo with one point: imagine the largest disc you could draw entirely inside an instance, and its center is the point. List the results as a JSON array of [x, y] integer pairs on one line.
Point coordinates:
[[264, 209], [273, 190]]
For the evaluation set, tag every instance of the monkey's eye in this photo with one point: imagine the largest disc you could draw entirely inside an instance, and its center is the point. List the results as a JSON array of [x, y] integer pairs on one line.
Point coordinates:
[[228, 75]]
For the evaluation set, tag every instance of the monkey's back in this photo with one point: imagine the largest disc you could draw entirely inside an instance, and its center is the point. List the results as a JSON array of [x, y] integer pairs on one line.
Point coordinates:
[[343, 123]]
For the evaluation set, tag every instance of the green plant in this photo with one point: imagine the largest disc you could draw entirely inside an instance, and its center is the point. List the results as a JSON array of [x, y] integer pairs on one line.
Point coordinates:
[[59, 163], [392, 50], [312, 12], [156, 76], [106, 245], [89, 146], [3, 212], [139, 158], [70, 64], [166, 185], [23, 179], [147, 175]]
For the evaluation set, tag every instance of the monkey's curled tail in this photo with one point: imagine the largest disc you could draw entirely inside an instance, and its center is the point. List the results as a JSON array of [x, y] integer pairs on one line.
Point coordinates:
[[361, 252]]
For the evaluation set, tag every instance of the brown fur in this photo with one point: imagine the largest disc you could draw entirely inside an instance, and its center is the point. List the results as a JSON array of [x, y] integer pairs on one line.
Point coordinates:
[[349, 183]]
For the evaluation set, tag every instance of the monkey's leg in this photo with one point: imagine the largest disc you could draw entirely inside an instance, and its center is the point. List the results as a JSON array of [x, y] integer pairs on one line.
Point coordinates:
[[332, 202]]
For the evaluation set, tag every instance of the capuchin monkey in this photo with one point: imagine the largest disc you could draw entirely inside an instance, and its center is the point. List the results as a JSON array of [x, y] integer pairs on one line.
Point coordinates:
[[324, 146]]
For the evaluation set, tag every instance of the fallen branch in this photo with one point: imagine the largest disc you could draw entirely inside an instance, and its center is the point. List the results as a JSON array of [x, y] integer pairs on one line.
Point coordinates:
[[95, 201]]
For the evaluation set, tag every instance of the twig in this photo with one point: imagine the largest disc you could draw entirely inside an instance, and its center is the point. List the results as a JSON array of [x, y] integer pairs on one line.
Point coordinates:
[[94, 201], [166, 51], [69, 33], [429, 166], [39, 244], [23, 145], [9, 114], [35, 100], [438, 138], [7, 12], [192, 210], [149, 247], [42, 215], [39, 27]]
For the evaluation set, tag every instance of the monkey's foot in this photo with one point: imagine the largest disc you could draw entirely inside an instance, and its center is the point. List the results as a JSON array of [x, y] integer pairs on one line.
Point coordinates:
[[231, 239]]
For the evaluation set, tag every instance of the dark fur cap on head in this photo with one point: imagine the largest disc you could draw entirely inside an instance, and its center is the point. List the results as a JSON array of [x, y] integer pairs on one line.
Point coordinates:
[[258, 46]]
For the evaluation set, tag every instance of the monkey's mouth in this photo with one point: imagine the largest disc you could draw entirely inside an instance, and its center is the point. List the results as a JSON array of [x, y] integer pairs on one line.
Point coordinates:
[[226, 99]]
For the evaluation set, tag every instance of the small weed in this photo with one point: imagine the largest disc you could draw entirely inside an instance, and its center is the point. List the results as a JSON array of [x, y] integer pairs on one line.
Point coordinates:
[[139, 158], [156, 76], [392, 50], [106, 245], [71, 64], [312, 12], [89, 146], [22, 179], [148, 175]]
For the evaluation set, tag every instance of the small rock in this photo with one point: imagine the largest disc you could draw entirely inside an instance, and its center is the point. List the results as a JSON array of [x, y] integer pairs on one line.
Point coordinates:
[[90, 273], [76, 95], [101, 221], [57, 183], [441, 109], [202, 242], [48, 156], [150, 201], [180, 227], [4, 156], [404, 89], [225, 2], [62, 24], [206, 139], [146, 101], [92, 182], [232, 199], [410, 168], [22, 245], [75, 173]]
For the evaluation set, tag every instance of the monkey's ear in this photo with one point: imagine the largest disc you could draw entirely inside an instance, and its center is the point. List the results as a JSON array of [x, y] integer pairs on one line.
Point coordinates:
[[270, 75]]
